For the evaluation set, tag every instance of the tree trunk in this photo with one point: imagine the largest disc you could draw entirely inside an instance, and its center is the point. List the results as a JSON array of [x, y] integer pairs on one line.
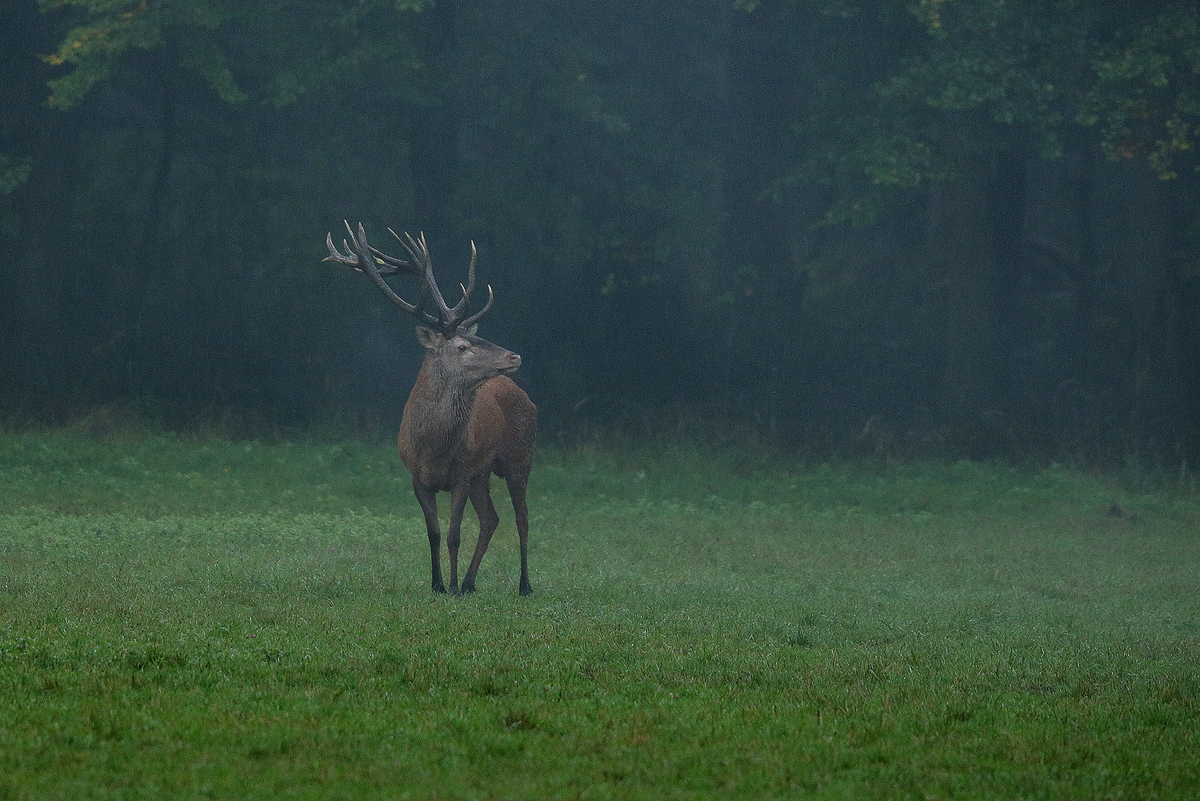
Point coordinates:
[[962, 253], [1134, 326], [130, 381], [32, 286]]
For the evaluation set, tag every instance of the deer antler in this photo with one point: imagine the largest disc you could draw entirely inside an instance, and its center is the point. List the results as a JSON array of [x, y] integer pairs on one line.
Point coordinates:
[[362, 257], [390, 264], [452, 317]]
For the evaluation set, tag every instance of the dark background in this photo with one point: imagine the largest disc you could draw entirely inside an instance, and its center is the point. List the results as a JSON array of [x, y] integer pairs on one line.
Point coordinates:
[[963, 227]]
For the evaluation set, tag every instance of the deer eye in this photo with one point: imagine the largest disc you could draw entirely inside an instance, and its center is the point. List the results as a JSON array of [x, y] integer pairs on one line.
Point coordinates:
[[462, 348]]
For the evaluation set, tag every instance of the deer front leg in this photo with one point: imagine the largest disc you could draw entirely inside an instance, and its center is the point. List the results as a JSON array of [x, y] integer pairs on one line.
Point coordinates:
[[427, 497], [458, 502]]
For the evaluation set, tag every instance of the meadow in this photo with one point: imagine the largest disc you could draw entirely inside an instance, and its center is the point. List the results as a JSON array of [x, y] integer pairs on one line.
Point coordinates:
[[192, 617]]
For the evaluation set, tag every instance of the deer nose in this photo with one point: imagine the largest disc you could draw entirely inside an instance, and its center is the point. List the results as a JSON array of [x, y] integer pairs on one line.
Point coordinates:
[[514, 359]]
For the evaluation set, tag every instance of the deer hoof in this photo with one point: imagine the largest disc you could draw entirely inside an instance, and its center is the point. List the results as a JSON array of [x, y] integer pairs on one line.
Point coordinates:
[[525, 590]]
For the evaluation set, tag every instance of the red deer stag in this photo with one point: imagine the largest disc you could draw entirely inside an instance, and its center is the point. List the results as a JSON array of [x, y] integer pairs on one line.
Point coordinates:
[[465, 418]]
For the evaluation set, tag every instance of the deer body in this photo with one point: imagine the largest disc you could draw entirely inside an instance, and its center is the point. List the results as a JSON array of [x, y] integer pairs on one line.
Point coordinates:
[[464, 420]]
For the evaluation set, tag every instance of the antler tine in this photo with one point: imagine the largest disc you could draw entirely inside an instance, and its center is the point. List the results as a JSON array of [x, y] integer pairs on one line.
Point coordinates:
[[471, 271], [465, 300], [474, 318], [347, 258]]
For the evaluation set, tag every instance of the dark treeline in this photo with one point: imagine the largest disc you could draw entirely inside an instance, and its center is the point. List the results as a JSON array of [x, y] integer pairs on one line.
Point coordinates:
[[945, 226]]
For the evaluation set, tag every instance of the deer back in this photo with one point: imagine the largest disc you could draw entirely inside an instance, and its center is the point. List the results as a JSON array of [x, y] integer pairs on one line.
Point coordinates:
[[504, 424]]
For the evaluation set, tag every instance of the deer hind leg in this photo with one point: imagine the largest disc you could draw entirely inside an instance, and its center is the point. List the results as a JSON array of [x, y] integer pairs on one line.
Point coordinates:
[[427, 497], [481, 499], [458, 502], [516, 490]]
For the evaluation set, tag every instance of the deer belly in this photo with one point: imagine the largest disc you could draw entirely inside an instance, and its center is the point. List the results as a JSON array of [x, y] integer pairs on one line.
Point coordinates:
[[440, 475]]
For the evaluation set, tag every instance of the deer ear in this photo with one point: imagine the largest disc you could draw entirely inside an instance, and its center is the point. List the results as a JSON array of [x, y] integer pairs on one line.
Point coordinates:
[[471, 331], [427, 336]]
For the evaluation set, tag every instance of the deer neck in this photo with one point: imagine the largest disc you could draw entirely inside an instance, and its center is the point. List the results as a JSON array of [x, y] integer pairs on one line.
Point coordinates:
[[441, 406]]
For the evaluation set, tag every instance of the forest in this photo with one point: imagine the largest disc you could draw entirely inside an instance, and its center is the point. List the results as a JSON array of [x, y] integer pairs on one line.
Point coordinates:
[[900, 227]]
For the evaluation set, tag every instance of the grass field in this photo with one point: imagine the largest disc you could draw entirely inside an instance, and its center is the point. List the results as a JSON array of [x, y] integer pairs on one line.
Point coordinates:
[[196, 618]]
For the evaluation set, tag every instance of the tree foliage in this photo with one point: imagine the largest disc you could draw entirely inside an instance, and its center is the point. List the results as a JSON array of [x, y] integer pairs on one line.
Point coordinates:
[[1051, 69], [1145, 96], [14, 171], [276, 50]]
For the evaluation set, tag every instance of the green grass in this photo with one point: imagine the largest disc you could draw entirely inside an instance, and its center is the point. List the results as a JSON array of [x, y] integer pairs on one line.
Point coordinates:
[[195, 618]]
